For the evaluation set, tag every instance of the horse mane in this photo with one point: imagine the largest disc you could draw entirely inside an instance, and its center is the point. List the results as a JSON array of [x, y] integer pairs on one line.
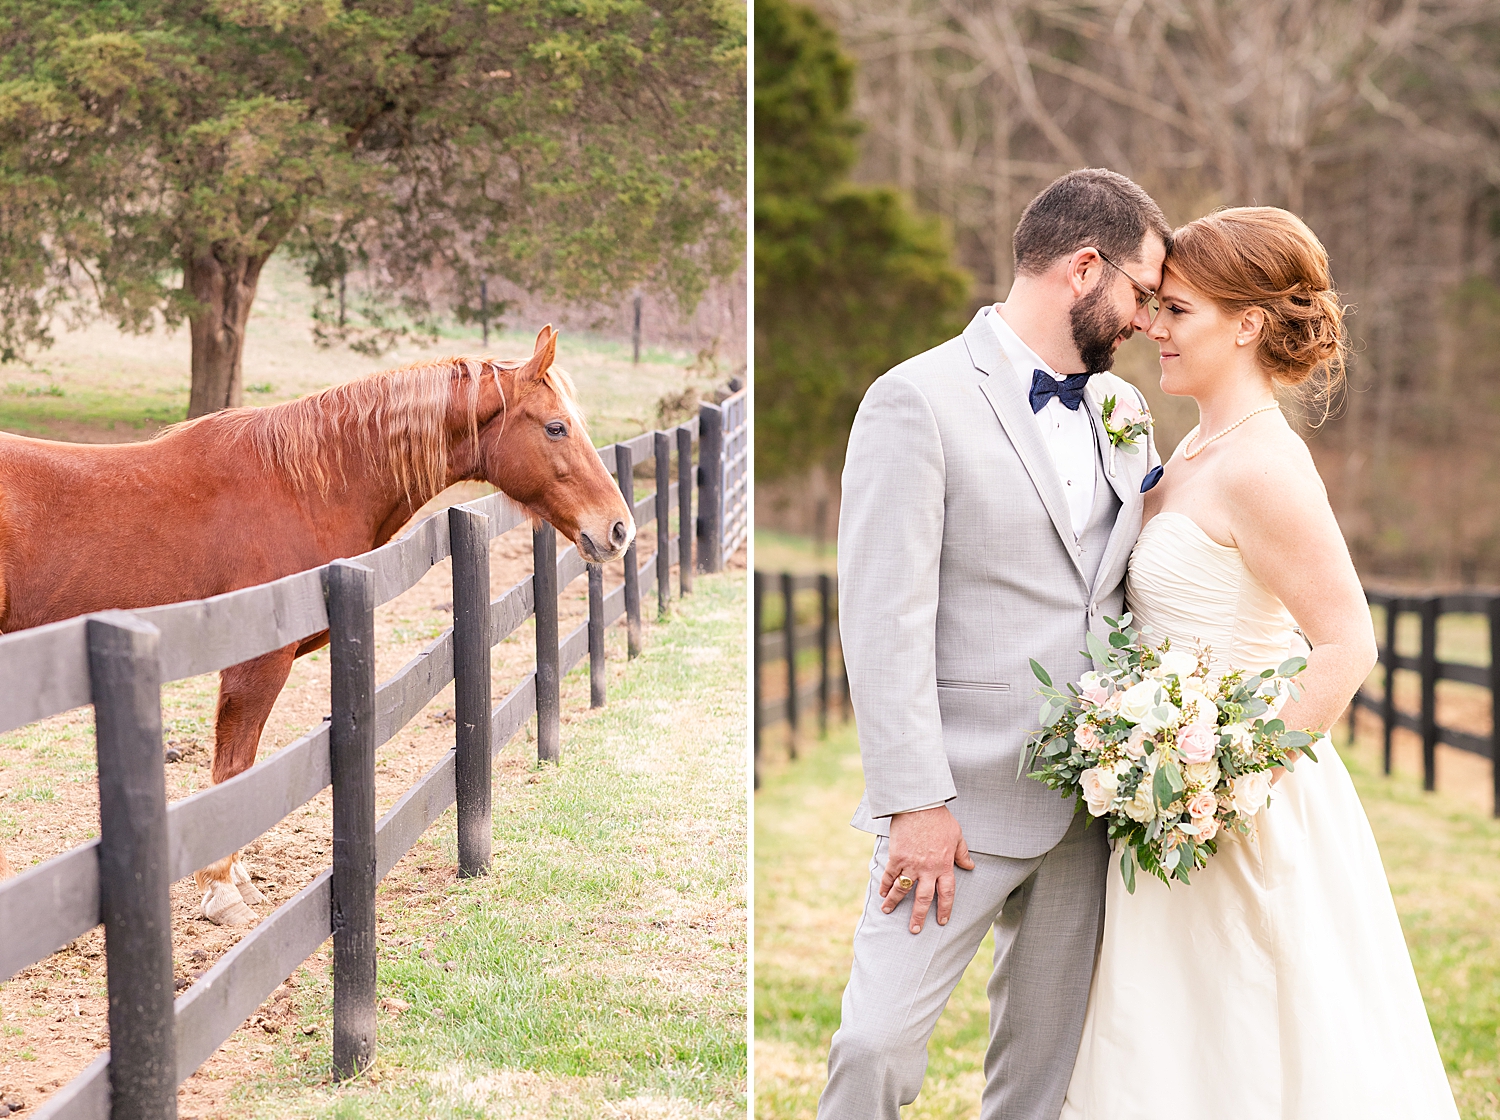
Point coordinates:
[[396, 416]]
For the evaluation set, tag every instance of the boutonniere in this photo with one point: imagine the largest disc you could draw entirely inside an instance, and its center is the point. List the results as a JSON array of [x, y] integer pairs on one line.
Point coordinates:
[[1126, 425]]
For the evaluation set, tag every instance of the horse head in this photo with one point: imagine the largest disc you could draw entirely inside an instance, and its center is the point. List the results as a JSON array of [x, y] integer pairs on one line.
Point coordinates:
[[534, 446]]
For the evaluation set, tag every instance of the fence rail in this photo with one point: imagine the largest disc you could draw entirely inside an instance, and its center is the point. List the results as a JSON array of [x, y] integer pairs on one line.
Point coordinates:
[[118, 661], [1430, 670], [790, 638]]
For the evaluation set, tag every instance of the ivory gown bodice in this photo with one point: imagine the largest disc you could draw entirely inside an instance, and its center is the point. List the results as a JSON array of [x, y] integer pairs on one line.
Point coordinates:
[[1187, 587]]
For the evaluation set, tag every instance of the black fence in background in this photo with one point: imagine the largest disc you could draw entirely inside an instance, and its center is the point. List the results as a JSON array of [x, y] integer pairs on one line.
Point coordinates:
[[1430, 670], [118, 662], [805, 612]]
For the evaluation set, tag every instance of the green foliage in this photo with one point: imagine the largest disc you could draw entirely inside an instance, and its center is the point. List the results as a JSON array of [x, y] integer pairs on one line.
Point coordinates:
[[848, 281], [573, 147]]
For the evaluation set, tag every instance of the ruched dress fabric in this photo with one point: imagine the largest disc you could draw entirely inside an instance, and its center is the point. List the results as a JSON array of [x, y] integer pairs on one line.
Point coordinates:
[[1278, 984]]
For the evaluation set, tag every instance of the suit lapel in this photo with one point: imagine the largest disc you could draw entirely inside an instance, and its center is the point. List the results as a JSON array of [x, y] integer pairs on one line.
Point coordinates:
[[1128, 522], [1093, 400], [1002, 387]]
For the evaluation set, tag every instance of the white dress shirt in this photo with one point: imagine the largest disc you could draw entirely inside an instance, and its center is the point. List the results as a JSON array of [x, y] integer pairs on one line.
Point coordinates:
[[1068, 434]]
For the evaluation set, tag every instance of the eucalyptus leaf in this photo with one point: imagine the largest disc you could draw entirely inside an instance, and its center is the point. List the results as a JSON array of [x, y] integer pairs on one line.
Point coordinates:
[[1041, 674], [1127, 868], [1161, 787], [1291, 666], [1307, 750], [1052, 711], [1097, 649], [1293, 740], [1118, 640]]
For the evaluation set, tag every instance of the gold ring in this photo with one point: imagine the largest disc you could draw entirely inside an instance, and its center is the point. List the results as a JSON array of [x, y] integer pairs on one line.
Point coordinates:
[[905, 882]]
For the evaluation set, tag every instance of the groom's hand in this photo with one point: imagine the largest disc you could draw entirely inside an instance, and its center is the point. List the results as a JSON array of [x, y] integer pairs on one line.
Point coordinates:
[[924, 846]]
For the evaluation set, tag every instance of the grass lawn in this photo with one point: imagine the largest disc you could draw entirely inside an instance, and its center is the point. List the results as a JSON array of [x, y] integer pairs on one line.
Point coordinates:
[[600, 969], [1441, 854]]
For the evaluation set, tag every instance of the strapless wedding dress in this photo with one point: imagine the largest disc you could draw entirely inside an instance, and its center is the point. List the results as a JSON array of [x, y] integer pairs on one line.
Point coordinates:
[[1278, 985]]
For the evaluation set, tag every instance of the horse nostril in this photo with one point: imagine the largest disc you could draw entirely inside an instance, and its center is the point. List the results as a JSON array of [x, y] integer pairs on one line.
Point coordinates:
[[618, 534]]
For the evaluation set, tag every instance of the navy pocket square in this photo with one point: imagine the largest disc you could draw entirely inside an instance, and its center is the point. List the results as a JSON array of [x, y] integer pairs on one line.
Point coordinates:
[[1153, 476]]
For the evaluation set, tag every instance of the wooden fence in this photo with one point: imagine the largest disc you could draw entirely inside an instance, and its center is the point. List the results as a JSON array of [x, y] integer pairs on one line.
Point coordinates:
[[787, 639], [118, 661], [1430, 670]]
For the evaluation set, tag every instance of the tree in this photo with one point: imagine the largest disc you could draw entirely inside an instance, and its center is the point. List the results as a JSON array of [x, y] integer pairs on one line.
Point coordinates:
[[155, 153], [848, 280]]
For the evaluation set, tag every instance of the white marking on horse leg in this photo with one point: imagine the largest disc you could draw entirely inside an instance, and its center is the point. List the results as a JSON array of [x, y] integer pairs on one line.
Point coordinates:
[[222, 902], [241, 879]]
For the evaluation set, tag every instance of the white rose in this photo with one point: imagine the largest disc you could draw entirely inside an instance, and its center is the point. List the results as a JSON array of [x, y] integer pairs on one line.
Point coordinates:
[[1239, 736], [1171, 713], [1099, 785], [1248, 792], [1141, 807], [1179, 662], [1135, 745], [1198, 708], [1137, 701], [1202, 775]]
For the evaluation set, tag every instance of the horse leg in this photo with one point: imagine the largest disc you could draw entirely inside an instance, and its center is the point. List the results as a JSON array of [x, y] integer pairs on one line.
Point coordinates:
[[247, 692]]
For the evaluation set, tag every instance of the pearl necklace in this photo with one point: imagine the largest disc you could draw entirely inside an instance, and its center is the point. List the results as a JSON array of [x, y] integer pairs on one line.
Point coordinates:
[[1191, 452]]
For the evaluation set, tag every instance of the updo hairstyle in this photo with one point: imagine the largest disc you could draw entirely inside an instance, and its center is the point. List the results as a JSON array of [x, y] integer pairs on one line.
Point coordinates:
[[1262, 256]]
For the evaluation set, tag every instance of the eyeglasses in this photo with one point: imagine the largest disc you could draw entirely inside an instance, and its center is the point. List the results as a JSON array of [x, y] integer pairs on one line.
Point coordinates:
[[1145, 297]]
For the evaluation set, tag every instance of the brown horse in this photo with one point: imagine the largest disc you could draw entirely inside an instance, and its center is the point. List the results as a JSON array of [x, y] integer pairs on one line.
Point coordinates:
[[248, 495]]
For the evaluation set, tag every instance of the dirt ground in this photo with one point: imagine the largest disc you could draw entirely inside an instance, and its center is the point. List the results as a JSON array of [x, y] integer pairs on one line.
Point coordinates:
[[53, 1016]]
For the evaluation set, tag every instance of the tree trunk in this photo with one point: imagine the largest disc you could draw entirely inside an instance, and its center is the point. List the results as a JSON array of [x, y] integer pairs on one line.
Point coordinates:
[[223, 292]]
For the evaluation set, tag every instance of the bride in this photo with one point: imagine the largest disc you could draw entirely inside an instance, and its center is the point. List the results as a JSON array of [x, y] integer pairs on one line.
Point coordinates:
[[1278, 984]]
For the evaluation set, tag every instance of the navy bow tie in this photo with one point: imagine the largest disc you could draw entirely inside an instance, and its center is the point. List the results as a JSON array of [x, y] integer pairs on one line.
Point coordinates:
[[1069, 390]]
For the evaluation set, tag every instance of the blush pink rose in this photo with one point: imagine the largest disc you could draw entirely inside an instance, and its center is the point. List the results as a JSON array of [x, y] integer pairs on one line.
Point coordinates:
[[1197, 742], [1126, 412], [1208, 828], [1202, 805], [1087, 738]]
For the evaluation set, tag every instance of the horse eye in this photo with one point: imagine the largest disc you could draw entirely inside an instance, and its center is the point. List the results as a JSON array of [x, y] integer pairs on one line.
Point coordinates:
[[556, 430]]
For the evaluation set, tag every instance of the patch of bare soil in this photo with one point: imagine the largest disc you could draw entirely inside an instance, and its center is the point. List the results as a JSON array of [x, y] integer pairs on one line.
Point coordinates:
[[53, 1016]]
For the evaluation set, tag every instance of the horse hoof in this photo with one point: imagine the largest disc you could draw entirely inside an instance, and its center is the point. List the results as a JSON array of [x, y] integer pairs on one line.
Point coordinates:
[[223, 906], [241, 879]]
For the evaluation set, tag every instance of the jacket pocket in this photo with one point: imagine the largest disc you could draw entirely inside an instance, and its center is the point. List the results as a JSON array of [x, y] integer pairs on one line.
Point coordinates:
[[974, 686]]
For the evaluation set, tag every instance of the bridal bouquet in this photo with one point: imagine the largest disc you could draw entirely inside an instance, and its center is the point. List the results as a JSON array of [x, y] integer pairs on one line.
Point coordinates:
[[1169, 758]]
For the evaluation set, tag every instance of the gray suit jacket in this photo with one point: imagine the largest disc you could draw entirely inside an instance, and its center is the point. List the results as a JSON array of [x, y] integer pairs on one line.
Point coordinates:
[[957, 563]]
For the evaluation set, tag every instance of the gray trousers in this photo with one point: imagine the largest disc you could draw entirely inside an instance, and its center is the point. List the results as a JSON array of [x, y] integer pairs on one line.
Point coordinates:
[[1048, 916]]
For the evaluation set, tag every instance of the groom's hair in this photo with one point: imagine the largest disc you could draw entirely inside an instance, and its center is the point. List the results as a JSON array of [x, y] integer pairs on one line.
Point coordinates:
[[1093, 206]]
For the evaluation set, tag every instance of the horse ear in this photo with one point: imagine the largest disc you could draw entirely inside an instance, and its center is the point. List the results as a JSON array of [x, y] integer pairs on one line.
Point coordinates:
[[542, 357]]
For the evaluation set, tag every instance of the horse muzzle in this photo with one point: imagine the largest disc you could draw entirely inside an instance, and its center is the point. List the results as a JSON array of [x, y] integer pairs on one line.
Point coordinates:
[[616, 539]]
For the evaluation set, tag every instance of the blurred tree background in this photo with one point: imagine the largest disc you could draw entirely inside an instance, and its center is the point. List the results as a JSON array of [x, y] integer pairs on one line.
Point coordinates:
[[849, 280], [155, 153], [1378, 121]]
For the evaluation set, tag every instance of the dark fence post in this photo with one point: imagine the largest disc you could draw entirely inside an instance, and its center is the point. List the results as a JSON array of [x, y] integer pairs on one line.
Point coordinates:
[[625, 468], [351, 640], [1494, 619], [1428, 662], [1388, 701], [134, 884], [789, 633], [684, 510], [757, 629], [825, 634], [663, 449], [469, 541], [710, 488], [548, 658], [596, 635]]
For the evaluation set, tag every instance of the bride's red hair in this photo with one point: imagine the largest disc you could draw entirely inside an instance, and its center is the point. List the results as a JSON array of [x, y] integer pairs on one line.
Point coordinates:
[[1262, 256]]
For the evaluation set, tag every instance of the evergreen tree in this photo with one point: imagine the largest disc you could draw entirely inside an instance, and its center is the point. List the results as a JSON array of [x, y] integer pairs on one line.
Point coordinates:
[[848, 280], [157, 152]]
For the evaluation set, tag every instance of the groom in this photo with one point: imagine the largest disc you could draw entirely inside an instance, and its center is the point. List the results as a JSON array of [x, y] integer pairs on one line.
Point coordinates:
[[986, 520]]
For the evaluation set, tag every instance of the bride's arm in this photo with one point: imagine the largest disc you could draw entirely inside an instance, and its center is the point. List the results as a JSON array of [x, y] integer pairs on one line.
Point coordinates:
[[1289, 539]]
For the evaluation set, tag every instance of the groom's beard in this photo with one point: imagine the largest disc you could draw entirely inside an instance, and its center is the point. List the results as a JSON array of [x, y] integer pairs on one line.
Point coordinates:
[[1095, 328]]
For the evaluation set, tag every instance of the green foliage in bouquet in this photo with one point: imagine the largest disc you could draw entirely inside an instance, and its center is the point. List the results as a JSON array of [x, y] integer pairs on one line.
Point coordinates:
[[1170, 757]]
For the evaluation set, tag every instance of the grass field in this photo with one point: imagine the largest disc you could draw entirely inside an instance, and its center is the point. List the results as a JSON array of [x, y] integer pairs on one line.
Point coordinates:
[[99, 385], [599, 971], [1442, 857]]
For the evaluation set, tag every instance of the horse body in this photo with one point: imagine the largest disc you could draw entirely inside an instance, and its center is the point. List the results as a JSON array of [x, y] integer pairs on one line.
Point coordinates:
[[245, 496]]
